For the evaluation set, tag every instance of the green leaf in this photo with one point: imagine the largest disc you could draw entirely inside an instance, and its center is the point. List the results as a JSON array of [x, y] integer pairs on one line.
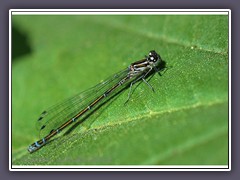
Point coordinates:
[[184, 122]]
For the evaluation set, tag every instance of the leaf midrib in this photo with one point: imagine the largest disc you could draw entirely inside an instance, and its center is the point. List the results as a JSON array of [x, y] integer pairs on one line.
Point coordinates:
[[150, 114]]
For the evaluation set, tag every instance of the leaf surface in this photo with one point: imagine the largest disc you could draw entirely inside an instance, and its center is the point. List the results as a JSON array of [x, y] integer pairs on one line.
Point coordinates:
[[184, 122]]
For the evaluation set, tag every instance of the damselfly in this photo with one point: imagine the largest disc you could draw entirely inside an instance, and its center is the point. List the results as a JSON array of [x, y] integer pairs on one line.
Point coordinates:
[[55, 119]]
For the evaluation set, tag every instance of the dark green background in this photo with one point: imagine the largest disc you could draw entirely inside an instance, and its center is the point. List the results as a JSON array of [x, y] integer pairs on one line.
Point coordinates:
[[185, 122]]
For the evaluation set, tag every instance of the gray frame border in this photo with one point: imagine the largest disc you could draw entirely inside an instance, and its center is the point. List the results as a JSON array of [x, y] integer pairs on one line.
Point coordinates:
[[4, 7]]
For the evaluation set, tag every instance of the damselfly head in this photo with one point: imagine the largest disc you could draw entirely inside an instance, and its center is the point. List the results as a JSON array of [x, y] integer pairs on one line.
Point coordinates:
[[154, 57]]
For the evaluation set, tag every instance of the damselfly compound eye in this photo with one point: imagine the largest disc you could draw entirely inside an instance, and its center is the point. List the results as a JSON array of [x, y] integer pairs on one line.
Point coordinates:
[[154, 58]]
